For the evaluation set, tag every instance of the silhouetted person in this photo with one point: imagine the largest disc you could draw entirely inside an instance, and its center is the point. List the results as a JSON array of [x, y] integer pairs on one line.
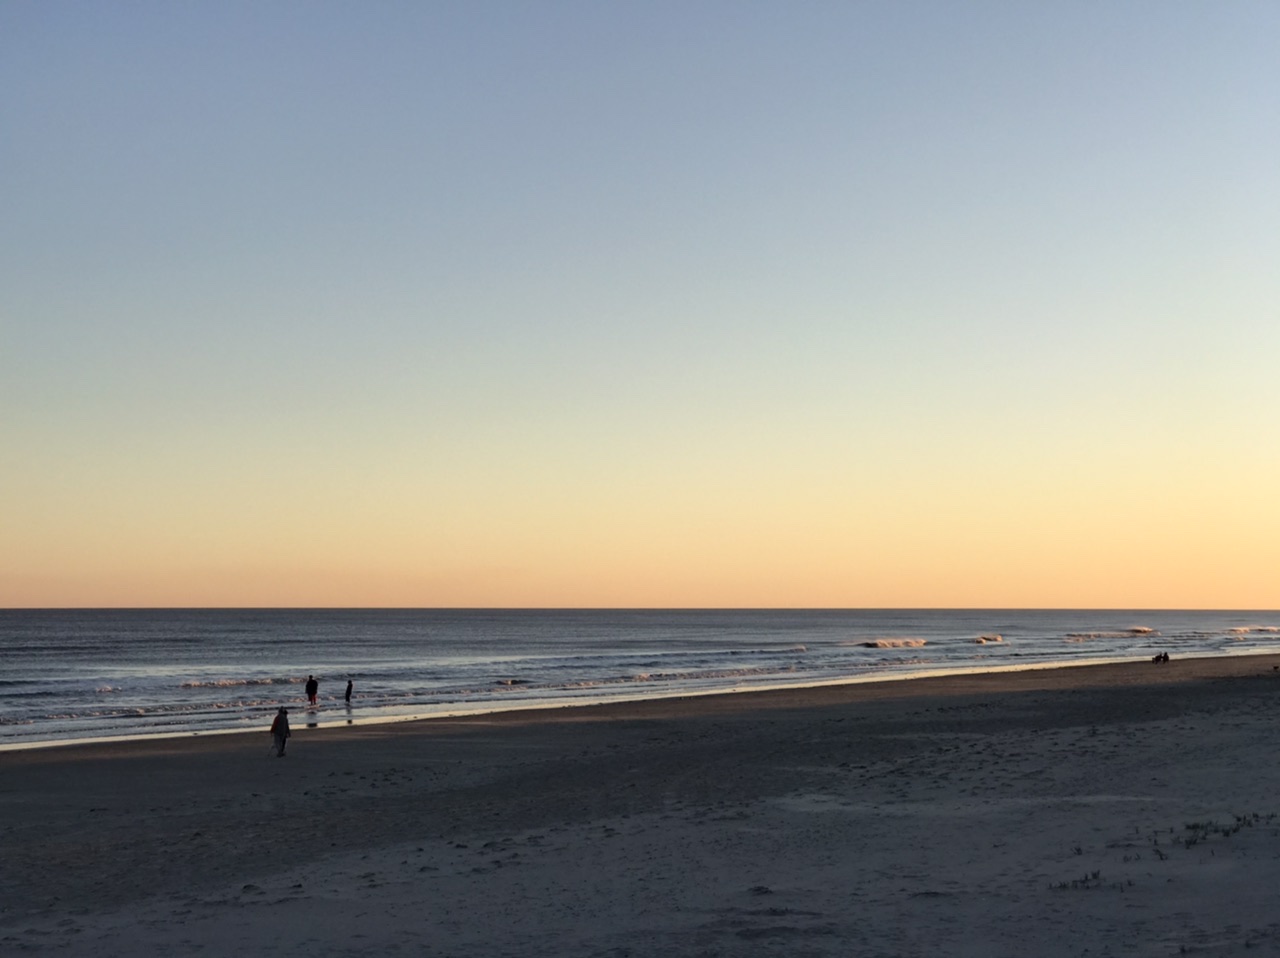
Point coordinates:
[[348, 695], [312, 688], [280, 730]]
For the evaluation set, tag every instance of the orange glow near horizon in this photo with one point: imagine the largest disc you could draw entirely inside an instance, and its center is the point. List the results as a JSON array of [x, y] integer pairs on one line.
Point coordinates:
[[947, 542]]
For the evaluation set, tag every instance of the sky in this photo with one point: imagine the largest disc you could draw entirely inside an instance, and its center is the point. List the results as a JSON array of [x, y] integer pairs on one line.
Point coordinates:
[[642, 304]]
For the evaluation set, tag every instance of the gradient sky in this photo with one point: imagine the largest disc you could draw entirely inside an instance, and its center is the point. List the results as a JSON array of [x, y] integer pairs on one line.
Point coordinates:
[[640, 304]]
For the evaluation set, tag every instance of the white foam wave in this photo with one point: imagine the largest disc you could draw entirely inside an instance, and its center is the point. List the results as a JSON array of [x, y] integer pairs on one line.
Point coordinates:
[[984, 639], [1124, 634], [234, 683], [893, 644]]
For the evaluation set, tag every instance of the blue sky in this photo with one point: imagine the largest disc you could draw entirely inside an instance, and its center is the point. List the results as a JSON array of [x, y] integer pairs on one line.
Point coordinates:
[[495, 289]]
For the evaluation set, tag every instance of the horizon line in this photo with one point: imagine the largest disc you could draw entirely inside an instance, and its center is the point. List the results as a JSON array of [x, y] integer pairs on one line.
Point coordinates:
[[620, 608]]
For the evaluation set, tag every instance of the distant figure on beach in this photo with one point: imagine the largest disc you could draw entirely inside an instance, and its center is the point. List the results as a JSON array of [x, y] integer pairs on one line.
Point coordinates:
[[348, 695], [312, 688], [280, 730]]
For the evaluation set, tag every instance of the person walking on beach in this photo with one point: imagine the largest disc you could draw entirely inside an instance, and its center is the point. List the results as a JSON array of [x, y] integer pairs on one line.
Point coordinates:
[[280, 730], [312, 688], [348, 695]]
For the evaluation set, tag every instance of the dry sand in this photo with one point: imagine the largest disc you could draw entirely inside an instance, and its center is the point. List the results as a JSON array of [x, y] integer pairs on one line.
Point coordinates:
[[1037, 813]]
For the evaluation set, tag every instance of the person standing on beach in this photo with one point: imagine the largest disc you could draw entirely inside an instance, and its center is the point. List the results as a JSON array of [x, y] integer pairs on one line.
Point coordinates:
[[280, 730], [313, 687], [348, 695]]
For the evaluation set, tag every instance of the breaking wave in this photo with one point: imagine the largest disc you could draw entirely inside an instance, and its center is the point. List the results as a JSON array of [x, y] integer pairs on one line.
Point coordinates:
[[234, 683], [1140, 630]]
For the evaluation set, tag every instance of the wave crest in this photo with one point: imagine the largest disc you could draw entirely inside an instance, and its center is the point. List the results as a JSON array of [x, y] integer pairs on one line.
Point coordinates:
[[1122, 634], [235, 683]]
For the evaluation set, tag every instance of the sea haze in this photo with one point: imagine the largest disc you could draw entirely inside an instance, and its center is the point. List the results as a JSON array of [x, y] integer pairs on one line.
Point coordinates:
[[83, 674]]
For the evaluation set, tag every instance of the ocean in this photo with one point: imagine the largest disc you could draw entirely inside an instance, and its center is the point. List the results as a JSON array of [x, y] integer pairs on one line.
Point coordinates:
[[73, 675]]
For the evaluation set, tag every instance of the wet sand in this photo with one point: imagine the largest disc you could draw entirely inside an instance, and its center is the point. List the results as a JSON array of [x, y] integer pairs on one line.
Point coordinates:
[[1042, 812]]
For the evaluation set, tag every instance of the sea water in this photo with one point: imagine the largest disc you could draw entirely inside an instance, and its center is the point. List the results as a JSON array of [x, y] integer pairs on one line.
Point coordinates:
[[92, 674]]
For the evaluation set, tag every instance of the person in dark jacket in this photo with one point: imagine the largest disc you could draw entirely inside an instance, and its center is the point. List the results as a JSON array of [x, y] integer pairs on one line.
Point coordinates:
[[312, 688], [280, 730]]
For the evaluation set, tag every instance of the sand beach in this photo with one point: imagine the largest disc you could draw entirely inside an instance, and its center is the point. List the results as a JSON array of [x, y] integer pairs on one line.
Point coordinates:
[[1123, 809]]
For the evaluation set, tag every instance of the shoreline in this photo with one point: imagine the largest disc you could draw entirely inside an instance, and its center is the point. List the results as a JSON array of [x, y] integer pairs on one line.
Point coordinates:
[[338, 721], [961, 815]]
